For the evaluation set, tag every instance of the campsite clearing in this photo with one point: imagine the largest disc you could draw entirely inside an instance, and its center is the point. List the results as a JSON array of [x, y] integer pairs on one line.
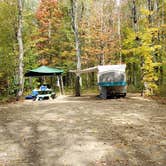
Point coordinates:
[[83, 131]]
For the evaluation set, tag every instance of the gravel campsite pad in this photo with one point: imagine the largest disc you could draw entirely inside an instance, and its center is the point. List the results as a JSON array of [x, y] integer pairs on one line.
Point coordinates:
[[84, 131]]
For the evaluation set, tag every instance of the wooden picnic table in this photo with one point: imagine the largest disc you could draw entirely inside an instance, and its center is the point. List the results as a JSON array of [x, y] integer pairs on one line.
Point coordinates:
[[45, 94]]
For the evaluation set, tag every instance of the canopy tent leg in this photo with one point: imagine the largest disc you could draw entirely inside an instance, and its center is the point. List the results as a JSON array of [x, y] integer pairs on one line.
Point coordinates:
[[30, 82], [59, 85], [62, 86]]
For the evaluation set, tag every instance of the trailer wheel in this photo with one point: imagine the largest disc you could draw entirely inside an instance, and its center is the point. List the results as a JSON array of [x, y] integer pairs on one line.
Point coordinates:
[[124, 95]]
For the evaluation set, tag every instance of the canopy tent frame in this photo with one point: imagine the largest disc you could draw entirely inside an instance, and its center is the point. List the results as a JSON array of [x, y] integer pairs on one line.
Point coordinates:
[[45, 71]]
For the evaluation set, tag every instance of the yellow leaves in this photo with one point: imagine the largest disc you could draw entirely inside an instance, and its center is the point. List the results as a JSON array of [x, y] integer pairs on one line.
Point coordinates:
[[128, 52], [145, 48], [68, 53], [43, 51], [64, 53], [156, 64], [157, 47], [149, 75], [125, 52], [146, 12], [155, 78]]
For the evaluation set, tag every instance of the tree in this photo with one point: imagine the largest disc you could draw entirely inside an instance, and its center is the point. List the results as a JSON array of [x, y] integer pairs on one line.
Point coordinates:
[[98, 39], [8, 47], [21, 49], [49, 19], [93, 39], [142, 48], [74, 16]]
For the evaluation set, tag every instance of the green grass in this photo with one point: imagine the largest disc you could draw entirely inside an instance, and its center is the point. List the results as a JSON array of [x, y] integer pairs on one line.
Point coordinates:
[[162, 91], [7, 99], [93, 90], [134, 89]]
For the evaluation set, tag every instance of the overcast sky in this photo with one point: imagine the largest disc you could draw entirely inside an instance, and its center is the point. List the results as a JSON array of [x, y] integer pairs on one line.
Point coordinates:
[[118, 2]]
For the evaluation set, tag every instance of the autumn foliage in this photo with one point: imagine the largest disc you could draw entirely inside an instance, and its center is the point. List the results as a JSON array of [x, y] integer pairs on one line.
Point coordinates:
[[49, 18]]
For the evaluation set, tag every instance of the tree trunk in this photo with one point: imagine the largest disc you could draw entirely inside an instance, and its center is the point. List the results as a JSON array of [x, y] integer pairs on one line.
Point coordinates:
[[135, 28], [151, 8], [163, 11], [62, 85], [49, 38], [134, 15], [87, 80], [74, 7], [59, 85], [21, 50], [92, 79], [119, 32], [77, 86]]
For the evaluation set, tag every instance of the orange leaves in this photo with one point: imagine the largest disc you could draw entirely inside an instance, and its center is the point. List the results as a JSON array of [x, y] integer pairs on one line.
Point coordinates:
[[43, 61], [49, 18], [48, 10], [98, 39]]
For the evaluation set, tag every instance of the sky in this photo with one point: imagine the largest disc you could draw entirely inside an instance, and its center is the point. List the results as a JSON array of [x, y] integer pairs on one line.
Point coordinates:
[[118, 2]]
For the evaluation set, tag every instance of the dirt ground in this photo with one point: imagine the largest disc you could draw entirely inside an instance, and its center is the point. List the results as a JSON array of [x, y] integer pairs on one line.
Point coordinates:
[[84, 131]]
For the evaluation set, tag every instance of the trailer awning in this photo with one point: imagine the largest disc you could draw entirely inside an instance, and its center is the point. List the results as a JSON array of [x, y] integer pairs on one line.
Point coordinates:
[[102, 69]]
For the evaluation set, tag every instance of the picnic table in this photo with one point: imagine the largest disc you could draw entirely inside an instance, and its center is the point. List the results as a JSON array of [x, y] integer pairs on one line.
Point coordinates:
[[45, 94]]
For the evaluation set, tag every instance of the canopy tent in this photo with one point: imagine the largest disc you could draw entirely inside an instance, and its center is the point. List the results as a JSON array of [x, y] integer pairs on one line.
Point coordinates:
[[43, 71], [47, 71]]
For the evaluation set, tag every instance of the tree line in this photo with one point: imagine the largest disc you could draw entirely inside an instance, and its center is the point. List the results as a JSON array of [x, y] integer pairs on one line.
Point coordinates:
[[78, 34]]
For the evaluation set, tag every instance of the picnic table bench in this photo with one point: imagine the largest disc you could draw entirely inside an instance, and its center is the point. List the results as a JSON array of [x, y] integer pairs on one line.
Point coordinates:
[[45, 94]]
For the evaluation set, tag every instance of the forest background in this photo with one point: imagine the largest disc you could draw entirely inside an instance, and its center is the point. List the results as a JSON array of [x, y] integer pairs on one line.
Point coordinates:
[[78, 34]]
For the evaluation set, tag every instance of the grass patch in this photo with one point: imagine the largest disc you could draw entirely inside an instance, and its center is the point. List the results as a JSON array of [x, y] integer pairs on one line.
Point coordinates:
[[134, 89], [84, 91], [7, 99]]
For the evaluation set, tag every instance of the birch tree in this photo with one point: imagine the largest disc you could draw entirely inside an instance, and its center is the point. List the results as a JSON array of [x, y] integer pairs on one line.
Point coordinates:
[[21, 50], [74, 16], [119, 28]]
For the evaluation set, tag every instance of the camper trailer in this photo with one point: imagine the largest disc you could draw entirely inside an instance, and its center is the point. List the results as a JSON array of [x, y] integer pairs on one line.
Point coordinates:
[[112, 81]]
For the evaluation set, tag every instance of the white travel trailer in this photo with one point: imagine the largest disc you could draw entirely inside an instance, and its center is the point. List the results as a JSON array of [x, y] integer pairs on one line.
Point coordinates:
[[111, 80]]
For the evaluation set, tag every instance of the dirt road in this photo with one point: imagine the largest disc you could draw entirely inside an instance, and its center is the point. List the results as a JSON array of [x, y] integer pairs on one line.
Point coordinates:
[[83, 131]]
